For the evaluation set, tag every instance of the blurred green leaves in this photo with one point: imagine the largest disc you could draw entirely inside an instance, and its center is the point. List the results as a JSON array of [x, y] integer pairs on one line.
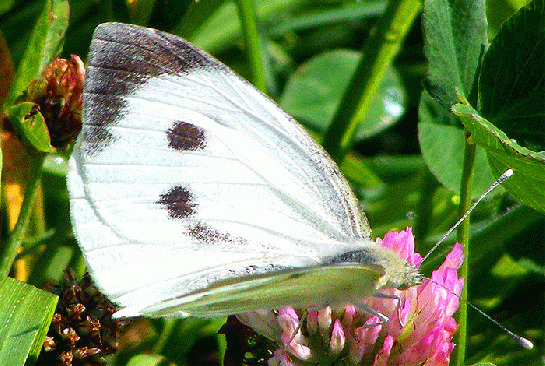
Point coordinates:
[[483, 81]]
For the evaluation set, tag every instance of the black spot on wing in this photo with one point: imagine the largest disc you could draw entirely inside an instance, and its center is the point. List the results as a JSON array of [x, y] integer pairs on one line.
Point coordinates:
[[178, 202], [121, 59], [185, 137], [205, 234]]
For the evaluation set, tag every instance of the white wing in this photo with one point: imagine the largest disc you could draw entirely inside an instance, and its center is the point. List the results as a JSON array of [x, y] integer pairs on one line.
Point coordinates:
[[185, 174]]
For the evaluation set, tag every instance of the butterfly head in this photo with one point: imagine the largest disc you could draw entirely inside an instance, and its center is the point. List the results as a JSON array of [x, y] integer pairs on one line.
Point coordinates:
[[407, 277], [398, 273]]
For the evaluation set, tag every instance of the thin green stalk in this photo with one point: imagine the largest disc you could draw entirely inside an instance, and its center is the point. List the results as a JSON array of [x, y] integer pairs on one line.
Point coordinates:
[[43, 260], [8, 252], [463, 238], [378, 53], [424, 209], [166, 333], [248, 19], [358, 11]]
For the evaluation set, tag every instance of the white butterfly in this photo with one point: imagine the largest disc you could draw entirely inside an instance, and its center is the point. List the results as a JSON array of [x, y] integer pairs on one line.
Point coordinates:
[[192, 193]]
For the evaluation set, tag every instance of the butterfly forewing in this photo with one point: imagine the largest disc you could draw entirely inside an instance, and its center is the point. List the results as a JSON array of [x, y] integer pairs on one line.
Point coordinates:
[[185, 174]]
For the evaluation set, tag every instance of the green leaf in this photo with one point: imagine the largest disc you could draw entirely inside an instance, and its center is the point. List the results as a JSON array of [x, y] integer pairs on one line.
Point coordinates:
[[498, 11], [455, 34], [455, 37], [196, 15], [6, 5], [30, 125], [149, 360], [343, 12], [140, 11], [223, 27], [25, 315], [2, 189], [528, 181], [313, 94], [442, 143], [512, 81], [45, 43]]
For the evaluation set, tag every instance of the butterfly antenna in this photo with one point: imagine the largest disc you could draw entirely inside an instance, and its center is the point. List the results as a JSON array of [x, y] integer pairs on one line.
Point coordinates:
[[519, 339], [508, 173]]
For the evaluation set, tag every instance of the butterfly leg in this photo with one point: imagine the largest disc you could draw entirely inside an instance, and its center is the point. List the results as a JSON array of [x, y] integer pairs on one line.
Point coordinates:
[[386, 296], [393, 297], [383, 318]]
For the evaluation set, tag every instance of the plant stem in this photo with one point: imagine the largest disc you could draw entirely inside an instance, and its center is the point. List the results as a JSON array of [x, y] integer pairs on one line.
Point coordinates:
[[168, 327], [248, 19], [8, 252], [424, 209], [463, 238], [378, 52]]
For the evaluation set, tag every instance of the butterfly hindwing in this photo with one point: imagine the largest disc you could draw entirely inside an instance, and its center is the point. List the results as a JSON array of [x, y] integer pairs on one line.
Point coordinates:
[[312, 287]]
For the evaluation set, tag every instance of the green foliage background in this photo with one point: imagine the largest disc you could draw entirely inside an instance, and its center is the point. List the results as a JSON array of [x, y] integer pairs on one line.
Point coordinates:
[[406, 154]]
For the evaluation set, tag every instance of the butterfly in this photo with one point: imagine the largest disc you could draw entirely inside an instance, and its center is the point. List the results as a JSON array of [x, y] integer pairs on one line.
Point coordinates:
[[194, 194]]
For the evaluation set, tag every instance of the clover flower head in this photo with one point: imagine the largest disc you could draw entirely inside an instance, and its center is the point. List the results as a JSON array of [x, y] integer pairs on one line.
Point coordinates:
[[419, 330]]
